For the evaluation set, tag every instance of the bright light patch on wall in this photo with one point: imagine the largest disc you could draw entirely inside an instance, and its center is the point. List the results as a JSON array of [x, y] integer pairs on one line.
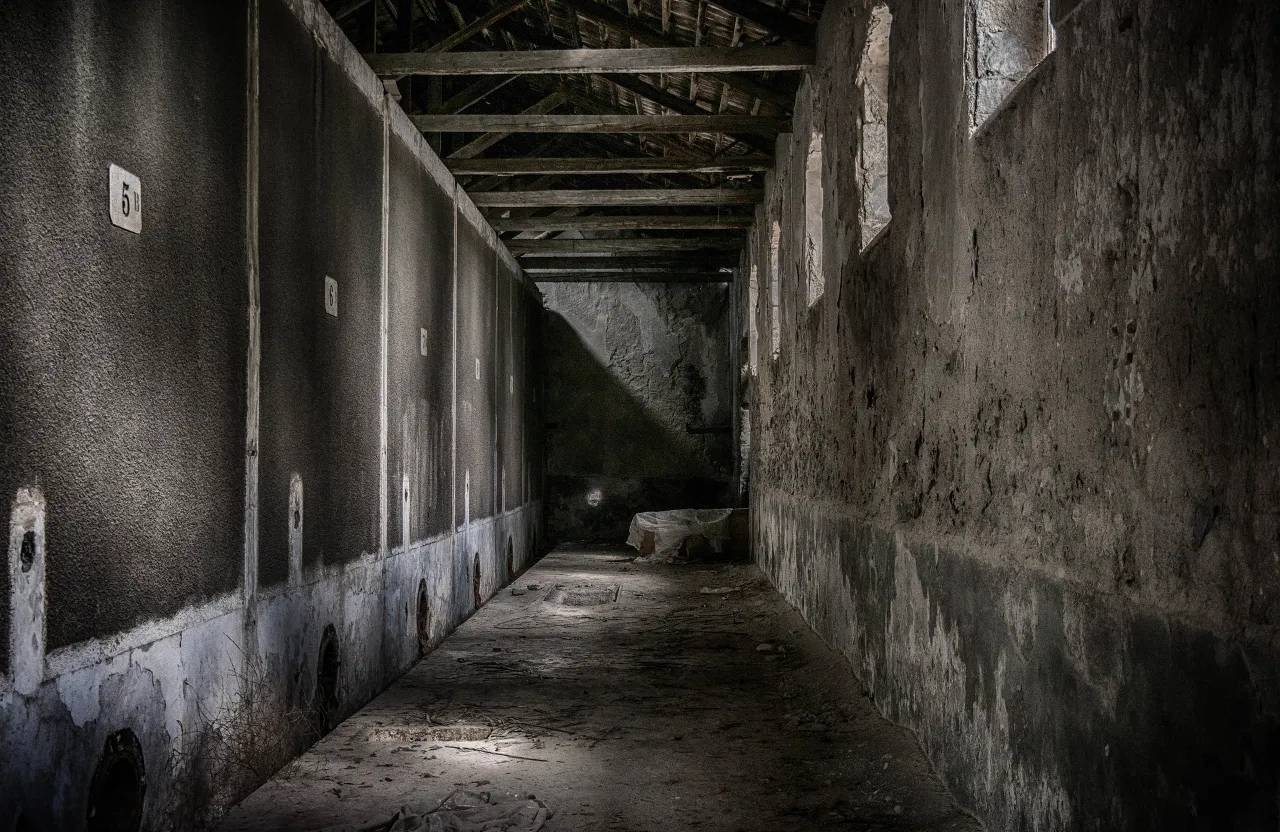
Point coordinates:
[[813, 205], [1006, 39], [775, 291], [873, 147], [753, 332], [594, 496]]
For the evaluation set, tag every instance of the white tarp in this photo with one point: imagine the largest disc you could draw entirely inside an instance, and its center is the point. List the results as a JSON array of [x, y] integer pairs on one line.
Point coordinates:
[[670, 529]]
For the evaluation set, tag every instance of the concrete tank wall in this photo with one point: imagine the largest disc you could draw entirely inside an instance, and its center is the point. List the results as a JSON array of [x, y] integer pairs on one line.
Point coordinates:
[[208, 474], [1018, 461]]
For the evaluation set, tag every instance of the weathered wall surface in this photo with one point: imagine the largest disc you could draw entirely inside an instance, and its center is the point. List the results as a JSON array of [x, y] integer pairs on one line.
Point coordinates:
[[208, 475], [639, 369], [1018, 461]]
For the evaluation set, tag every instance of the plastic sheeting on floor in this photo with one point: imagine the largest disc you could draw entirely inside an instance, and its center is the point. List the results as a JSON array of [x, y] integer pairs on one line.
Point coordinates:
[[463, 811], [670, 529]]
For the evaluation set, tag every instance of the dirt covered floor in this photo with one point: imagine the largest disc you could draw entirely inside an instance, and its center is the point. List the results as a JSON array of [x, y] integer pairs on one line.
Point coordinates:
[[623, 697]]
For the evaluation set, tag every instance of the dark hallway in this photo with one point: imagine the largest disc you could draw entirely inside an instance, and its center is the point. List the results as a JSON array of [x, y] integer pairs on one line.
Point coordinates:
[[640, 415]]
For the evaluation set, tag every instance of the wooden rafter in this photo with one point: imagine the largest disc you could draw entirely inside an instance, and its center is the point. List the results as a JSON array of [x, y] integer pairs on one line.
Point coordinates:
[[602, 165], [662, 222], [647, 245], [527, 122], [630, 196], [592, 61]]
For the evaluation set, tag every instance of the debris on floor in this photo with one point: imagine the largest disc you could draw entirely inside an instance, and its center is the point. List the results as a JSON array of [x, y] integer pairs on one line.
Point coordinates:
[[464, 811], [627, 702]]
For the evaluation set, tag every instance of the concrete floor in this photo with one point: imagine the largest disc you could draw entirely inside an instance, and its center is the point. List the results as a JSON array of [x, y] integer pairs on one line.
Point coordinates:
[[660, 710]]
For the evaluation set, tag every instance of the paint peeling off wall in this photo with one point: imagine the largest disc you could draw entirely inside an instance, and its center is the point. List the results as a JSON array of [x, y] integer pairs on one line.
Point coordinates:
[[1017, 461]]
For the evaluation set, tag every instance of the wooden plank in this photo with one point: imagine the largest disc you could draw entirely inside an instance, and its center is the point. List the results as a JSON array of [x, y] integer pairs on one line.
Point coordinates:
[[639, 223], [477, 26], [647, 277], [630, 246], [633, 196], [625, 262], [539, 123], [488, 140], [593, 165], [768, 17], [637, 30], [676, 104], [590, 61]]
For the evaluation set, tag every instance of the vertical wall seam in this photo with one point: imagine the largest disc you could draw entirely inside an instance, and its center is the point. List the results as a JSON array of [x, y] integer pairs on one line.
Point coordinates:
[[453, 395], [383, 327], [252, 397]]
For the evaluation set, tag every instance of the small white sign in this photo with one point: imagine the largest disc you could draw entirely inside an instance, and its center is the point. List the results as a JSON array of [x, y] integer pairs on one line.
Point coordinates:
[[331, 296], [124, 194], [422, 342]]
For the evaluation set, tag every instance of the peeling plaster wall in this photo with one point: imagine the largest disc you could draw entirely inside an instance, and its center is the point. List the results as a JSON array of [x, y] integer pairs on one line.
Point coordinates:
[[631, 368], [1018, 461], [210, 468]]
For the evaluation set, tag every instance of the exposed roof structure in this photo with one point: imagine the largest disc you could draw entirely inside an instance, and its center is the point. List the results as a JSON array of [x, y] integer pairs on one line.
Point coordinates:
[[641, 125]]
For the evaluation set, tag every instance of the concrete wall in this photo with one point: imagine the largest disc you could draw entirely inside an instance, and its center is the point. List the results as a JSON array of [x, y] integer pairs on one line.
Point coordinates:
[[1018, 461], [638, 403], [206, 470]]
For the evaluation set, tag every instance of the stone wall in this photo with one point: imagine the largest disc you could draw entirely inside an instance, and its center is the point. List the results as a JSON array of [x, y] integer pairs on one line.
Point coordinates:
[[1018, 460], [638, 403]]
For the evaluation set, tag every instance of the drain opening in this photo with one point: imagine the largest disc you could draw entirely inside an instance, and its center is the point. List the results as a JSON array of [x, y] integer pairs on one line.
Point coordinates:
[[475, 580], [327, 671], [511, 559], [424, 619], [119, 786]]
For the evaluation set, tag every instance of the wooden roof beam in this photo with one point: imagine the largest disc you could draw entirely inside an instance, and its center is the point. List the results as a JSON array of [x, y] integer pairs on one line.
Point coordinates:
[[645, 277], [528, 122], [665, 197], [634, 28], [592, 61], [587, 165], [769, 18], [635, 223], [644, 245]]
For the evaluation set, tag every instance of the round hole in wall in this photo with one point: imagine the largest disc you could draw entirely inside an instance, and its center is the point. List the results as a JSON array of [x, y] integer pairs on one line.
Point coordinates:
[[119, 786], [475, 580], [424, 619], [328, 668], [511, 559]]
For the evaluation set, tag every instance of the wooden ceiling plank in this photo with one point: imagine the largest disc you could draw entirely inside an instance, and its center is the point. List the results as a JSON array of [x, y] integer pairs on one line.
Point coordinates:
[[646, 245], [666, 197], [592, 61], [527, 122], [597, 165], [635, 223]]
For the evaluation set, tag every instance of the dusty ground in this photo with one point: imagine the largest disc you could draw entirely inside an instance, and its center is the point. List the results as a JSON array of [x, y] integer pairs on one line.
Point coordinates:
[[668, 708]]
